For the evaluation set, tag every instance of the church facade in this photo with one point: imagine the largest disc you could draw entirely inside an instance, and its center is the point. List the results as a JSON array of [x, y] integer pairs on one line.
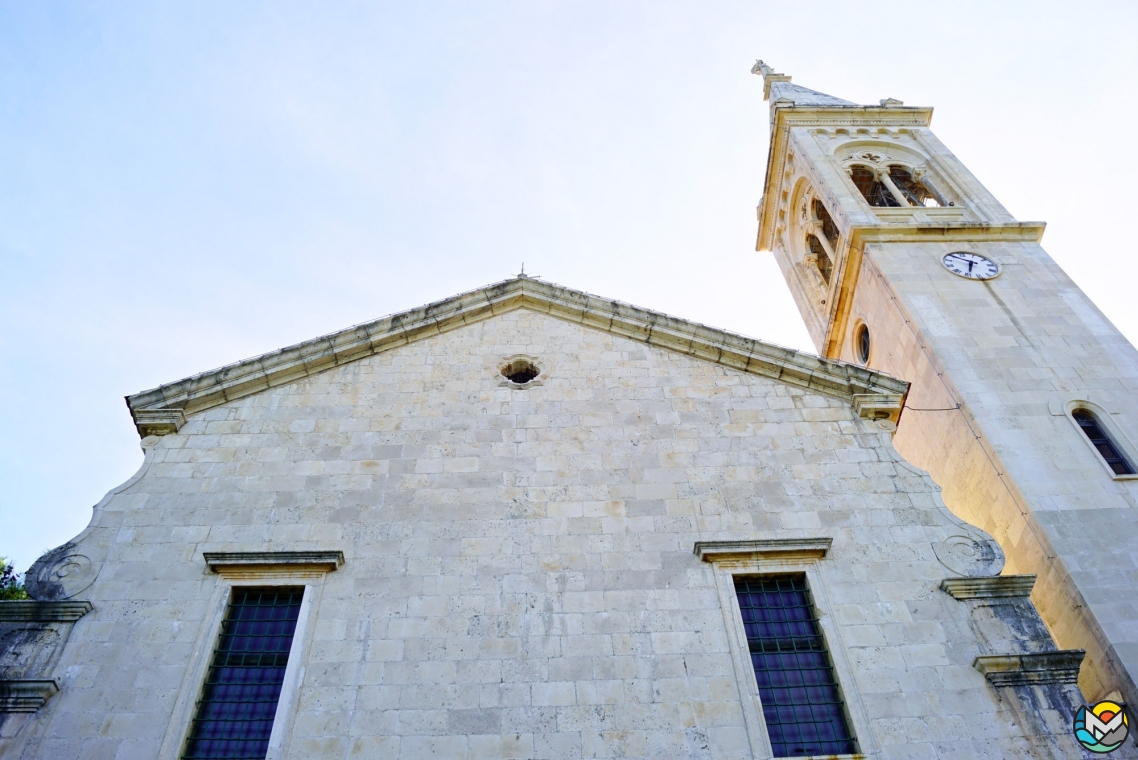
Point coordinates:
[[529, 522]]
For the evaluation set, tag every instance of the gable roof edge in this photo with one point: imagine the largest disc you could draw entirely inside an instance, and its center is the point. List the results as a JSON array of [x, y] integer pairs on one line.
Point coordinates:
[[231, 382]]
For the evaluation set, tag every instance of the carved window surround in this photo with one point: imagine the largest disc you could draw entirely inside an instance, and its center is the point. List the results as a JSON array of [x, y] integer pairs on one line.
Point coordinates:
[[1031, 669], [763, 550], [777, 556], [266, 565], [254, 568]]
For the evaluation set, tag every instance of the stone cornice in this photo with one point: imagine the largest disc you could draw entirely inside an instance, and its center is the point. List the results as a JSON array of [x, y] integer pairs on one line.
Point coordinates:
[[925, 232], [1031, 669], [855, 115], [25, 695], [991, 587], [210, 389], [323, 561], [763, 549], [42, 612], [878, 406], [158, 421]]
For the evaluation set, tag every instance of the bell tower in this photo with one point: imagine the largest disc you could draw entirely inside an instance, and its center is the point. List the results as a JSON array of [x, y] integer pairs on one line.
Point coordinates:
[[1024, 397]]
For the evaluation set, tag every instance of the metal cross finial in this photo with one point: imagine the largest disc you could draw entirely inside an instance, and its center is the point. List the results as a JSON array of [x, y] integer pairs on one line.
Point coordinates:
[[523, 272]]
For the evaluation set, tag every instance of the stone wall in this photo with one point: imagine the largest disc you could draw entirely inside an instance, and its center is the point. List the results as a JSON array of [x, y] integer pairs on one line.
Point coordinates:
[[519, 577]]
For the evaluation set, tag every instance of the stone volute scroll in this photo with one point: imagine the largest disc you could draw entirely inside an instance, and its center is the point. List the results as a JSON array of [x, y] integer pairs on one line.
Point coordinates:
[[61, 574], [970, 556]]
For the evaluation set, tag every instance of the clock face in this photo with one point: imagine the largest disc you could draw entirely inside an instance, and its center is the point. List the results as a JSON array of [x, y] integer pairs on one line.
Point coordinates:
[[971, 265]]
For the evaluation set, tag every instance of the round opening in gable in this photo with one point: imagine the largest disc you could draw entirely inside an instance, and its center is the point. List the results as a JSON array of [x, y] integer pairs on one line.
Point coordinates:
[[520, 371]]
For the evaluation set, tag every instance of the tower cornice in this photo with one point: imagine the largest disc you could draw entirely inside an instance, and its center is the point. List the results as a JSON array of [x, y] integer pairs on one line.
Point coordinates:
[[923, 232]]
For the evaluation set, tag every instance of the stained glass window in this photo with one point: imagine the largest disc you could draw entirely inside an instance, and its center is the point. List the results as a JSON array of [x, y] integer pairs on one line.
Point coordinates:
[[801, 700], [239, 701]]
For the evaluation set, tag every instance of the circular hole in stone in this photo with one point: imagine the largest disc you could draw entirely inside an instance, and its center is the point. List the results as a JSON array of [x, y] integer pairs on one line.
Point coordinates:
[[520, 371], [863, 344]]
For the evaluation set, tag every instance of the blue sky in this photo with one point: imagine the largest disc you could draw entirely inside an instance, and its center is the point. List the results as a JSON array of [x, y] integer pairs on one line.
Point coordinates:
[[183, 185]]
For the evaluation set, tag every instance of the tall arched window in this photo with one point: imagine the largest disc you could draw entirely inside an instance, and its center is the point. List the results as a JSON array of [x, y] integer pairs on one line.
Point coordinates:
[[913, 190], [821, 258], [874, 190], [1098, 437]]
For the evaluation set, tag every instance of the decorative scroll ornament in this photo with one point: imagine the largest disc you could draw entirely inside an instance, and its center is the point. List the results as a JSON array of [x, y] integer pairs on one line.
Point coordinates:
[[60, 574], [871, 157], [969, 557]]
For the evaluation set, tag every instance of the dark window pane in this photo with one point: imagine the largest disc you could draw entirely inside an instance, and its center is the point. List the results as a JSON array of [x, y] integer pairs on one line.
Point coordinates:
[[801, 701], [1102, 443], [874, 191], [825, 266], [863, 344], [916, 193], [829, 229], [239, 700]]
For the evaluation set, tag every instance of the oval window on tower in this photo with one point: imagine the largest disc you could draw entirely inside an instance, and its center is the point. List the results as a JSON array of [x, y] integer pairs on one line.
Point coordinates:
[[861, 343]]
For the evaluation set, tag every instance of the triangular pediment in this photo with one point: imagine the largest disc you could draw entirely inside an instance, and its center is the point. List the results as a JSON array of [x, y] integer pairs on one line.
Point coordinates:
[[163, 409]]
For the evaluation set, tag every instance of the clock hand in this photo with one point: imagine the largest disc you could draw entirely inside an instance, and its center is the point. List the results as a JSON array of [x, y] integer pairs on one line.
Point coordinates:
[[970, 263]]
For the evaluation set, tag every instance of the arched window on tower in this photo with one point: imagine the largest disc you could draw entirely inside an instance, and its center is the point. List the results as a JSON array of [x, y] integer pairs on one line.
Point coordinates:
[[820, 257], [875, 191], [1107, 449], [829, 229], [914, 191]]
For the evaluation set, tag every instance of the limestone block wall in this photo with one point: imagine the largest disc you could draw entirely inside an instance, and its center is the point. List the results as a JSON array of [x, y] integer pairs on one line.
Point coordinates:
[[519, 577], [1013, 352]]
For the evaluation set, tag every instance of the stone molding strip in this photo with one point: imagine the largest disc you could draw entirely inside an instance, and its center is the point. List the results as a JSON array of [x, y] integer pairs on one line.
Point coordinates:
[[211, 389], [878, 406], [42, 612], [767, 548], [1031, 669], [992, 587], [158, 421], [324, 561], [26, 695]]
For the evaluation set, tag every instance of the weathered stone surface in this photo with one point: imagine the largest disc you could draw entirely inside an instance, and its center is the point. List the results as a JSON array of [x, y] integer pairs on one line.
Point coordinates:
[[25, 695], [996, 365], [518, 575], [1029, 669]]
